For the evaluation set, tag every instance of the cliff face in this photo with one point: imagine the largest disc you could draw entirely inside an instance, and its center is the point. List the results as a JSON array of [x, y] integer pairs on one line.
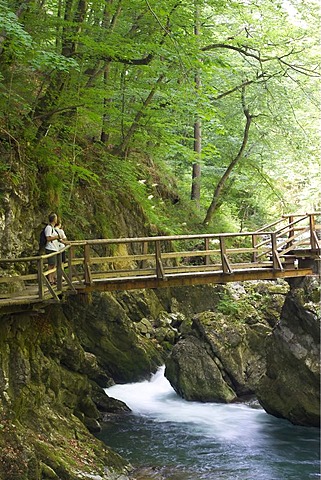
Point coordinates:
[[50, 387], [223, 356], [54, 363], [265, 343], [290, 387]]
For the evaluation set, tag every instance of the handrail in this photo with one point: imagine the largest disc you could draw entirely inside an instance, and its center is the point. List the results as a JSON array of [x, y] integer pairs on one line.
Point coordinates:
[[307, 214], [269, 225], [32, 259], [165, 238], [291, 224]]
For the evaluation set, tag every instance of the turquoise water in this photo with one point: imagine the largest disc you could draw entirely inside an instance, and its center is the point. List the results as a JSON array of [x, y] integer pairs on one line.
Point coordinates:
[[195, 441]]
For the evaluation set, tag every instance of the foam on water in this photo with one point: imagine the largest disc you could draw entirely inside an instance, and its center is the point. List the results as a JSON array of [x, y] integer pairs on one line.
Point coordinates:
[[234, 441], [157, 399]]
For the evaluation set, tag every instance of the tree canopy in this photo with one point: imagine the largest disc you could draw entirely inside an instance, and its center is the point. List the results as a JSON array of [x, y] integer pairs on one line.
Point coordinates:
[[122, 74]]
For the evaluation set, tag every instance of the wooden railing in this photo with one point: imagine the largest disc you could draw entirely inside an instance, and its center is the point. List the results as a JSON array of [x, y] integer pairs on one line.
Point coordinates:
[[282, 246], [29, 278], [226, 252]]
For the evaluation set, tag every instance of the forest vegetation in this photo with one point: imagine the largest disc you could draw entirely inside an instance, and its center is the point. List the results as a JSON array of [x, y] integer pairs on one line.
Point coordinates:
[[205, 112], [130, 117]]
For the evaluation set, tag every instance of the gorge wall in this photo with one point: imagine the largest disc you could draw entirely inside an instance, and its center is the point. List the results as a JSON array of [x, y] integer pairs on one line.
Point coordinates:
[[55, 362]]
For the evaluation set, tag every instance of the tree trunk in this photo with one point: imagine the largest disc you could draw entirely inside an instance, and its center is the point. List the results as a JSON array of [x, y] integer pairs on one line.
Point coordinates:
[[134, 126], [196, 173], [222, 182], [104, 136], [196, 169]]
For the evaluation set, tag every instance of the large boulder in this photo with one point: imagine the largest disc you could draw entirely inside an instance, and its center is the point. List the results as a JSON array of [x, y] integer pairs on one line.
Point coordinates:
[[196, 375], [290, 387], [223, 356]]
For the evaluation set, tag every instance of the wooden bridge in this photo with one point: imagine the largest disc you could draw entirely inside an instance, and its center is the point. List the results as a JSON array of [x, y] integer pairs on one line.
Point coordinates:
[[286, 248]]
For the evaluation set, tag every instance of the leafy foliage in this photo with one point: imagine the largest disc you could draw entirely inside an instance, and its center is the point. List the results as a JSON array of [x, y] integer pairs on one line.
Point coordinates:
[[121, 76]]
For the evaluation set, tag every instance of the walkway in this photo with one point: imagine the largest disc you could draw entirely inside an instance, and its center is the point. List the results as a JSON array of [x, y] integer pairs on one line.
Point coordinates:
[[287, 248]]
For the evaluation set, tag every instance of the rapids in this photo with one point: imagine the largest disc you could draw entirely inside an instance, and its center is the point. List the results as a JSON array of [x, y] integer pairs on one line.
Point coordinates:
[[207, 441]]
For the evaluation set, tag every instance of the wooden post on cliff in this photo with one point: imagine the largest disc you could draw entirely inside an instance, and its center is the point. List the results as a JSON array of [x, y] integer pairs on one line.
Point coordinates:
[[40, 278]]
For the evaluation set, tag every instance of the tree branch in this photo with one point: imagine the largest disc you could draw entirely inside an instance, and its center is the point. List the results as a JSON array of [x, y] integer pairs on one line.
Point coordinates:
[[222, 182], [119, 150]]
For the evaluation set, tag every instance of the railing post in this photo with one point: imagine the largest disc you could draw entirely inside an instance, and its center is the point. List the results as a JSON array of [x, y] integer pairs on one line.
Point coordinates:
[[59, 271], [159, 266], [291, 232], [254, 243], [87, 264], [225, 263], [277, 265], [40, 278], [313, 242], [207, 247], [144, 252], [71, 255]]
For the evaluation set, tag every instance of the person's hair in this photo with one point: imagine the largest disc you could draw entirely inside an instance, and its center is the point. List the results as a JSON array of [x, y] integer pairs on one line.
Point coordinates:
[[51, 217], [58, 222]]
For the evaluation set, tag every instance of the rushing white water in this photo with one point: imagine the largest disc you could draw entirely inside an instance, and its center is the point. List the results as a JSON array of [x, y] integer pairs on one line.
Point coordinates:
[[157, 399], [217, 441]]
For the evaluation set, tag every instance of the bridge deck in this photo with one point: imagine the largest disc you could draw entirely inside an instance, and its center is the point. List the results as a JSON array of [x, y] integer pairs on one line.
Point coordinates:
[[290, 250]]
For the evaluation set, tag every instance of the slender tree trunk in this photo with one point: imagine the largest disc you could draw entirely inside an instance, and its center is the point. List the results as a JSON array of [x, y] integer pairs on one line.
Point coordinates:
[[104, 136], [110, 24], [222, 182], [196, 169], [134, 126]]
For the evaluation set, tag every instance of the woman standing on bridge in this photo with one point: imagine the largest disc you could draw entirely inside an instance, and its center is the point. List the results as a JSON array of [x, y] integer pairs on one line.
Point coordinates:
[[52, 245], [62, 238]]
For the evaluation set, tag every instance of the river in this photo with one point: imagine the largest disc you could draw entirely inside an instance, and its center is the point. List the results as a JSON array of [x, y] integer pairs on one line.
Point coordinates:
[[207, 441]]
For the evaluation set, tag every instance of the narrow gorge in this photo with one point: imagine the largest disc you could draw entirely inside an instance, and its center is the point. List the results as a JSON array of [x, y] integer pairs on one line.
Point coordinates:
[[219, 344]]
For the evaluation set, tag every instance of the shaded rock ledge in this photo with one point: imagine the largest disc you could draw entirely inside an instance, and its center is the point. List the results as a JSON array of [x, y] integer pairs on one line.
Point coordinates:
[[290, 387], [257, 342], [223, 356]]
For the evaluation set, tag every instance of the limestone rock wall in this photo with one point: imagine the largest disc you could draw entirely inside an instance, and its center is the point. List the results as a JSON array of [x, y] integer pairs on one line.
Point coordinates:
[[53, 365], [55, 362], [223, 356], [260, 339], [290, 387]]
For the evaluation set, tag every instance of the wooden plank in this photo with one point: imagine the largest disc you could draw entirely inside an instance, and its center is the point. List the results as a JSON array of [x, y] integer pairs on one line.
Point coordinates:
[[181, 280], [225, 263], [51, 288], [207, 249], [145, 253], [40, 278], [179, 269], [312, 230], [68, 281], [9, 279], [87, 265], [275, 258], [122, 273], [241, 250], [165, 238]]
